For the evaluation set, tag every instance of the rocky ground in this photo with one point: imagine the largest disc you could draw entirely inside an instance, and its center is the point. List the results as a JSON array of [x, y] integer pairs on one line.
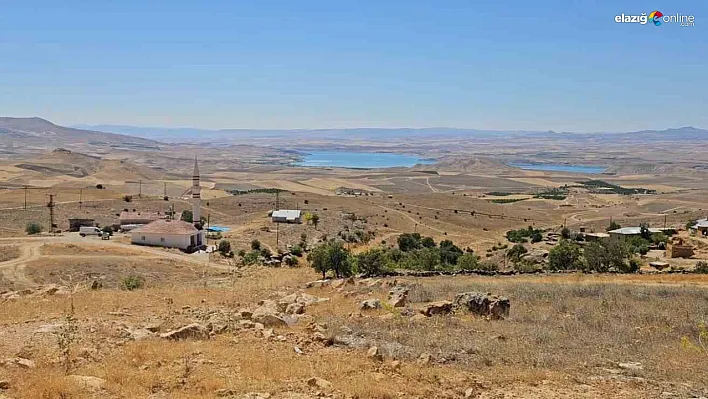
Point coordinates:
[[277, 333]]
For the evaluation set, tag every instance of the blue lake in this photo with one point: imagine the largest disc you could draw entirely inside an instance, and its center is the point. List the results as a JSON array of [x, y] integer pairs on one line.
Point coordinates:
[[559, 167], [364, 160]]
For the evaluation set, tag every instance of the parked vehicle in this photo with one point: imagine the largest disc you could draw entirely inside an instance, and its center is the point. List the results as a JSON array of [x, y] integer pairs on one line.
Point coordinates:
[[90, 231], [106, 235]]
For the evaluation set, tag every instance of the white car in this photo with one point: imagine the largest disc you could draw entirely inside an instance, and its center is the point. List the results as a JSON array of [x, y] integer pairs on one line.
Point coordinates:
[[90, 231]]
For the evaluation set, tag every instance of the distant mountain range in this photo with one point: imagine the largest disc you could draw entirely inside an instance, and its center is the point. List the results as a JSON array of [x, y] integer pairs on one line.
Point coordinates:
[[40, 133], [195, 135]]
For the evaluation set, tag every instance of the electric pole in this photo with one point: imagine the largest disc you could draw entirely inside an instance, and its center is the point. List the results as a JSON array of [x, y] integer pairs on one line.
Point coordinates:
[[664, 222], [277, 200], [25, 196], [50, 205], [81, 191], [164, 194], [277, 235], [140, 188]]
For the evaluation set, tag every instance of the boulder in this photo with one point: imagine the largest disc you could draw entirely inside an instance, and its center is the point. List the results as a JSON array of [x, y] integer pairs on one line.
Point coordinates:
[[318, 382], [295, 308], [398, 297], [270, 320], [343, 283], [196, 331], [374, 353], [437, 308], [318, 284], [425, 358], [141, 334], [487, 305], [370, 304]]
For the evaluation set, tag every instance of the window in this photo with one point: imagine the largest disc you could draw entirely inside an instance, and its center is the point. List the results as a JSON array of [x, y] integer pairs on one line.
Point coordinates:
[[143, 238], [162, 239]]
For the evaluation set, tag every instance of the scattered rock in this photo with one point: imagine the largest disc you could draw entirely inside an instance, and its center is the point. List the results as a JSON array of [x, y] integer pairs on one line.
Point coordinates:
[[470, 393], [48, 328], [96, 285], [50, 289], [374, 353], [436, 308], [295, 308], [395, 365], [418, 317], [141, 334], [256, 395], [318, 284], [24, 363], [270, 320], [88, 383], [195, 330], [370, 304], [425, 358], [486, 305], [298, 350], [339, 284], [318, 382], [4, 384], [634, 366], [398, 297]]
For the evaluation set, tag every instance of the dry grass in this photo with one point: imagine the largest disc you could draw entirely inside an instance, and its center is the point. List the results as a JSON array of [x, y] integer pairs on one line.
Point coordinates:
[[9, 252], [86, 249]]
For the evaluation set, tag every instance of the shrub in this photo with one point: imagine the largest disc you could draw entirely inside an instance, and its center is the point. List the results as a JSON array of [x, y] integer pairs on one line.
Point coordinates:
[[701, 267], [565, 233], [409, 241], [488, 265], [516, 252], [255, 245], [296, 250], [251, 257], [468, 261], [422, 259], [265, 252], [449, 253], [99, 186], [127, 198], [601, 256], [564, 256], [291, 261], [132, 282], [33, 228], [224, 247], [522, 235]]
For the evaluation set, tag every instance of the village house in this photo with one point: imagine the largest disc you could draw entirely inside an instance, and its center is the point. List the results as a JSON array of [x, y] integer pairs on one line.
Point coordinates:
[[624, 233], [175, 233], [700, 227], [286, 216]]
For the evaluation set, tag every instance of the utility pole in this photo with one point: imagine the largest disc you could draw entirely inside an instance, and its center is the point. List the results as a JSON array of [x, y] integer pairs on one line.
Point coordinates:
[[25, 196], [277, 235], [164, 193], [664, 221], [81, 192], [140, 188], [50, 205], [277, 200]]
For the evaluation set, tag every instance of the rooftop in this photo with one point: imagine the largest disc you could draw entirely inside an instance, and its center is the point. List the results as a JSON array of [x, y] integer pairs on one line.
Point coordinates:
[[287, 213], [167, 227], [630, 231]]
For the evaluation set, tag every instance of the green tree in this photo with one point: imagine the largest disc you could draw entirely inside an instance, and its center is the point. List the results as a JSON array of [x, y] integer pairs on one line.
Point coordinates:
[[565, 233], [409, 241], [422, 259], [372, 262], [255, 245], [427, 242], [33, 228], [331, 256], [315, 219], [602, 256], [224, 247], [449, 252], [536, 236], [296, 250], [564, 256]]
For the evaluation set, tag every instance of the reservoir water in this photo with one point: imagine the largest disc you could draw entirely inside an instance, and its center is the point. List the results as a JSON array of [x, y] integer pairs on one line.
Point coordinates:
[[363, 160], [560, 167]]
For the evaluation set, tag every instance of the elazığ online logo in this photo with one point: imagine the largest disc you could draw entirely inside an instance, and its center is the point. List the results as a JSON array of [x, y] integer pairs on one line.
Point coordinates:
[[657, 18]]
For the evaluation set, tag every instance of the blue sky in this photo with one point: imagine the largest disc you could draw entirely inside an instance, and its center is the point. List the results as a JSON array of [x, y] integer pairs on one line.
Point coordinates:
[[553, 65]]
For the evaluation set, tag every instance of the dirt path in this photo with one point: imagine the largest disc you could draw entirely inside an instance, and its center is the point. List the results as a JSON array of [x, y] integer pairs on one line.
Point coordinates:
[[14, 270]]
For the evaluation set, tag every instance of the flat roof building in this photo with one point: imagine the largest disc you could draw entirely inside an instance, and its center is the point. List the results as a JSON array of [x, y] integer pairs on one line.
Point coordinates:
[[287, 216], [169, 234]]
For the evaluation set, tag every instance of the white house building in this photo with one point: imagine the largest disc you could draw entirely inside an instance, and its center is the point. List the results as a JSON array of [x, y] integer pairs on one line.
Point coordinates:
[[175, 233], [286, 216], [168, 233]]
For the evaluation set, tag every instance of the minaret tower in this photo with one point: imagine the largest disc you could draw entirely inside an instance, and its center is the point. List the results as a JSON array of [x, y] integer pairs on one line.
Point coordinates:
[[196, 195]]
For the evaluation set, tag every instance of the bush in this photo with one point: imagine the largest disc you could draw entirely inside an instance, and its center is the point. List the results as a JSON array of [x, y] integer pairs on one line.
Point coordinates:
[[296, 250], [564, 256], [127, 198], [99, 186], [33, 228], [488, 265], [601, 256], [468, 261], [255, 245], [565, 233], [701, 267], [224, 247], [522, 235], [251, 257], [132, 282], [516, 252], [265, 252], [291, 261], [449, 253], [422, 259], [409, 241]]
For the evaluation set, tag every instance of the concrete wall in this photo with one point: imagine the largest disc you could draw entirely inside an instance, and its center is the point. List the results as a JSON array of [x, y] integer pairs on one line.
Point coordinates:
[[162, 240]]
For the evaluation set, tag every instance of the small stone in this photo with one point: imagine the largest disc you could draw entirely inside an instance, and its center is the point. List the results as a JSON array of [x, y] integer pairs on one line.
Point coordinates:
[[437, 308], [298, 350], [634, 366], [318, 382], [470, 393], [295, 308], [374, 353], [4, 384], [24, 363], [224, 392], [370, 304], [194, 330], [425, 358], [395, 365]]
